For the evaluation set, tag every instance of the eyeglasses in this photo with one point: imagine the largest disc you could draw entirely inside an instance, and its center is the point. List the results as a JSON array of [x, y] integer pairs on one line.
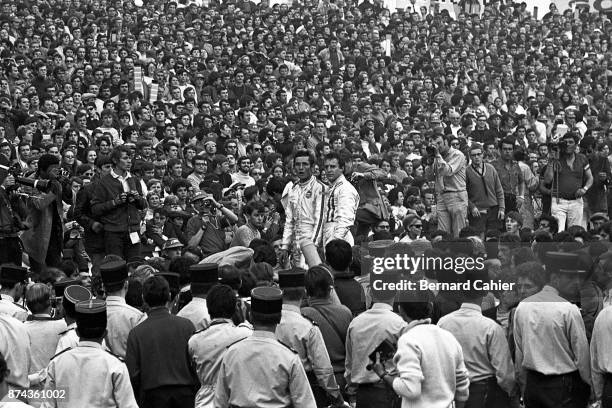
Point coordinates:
[[417, 225], [384, 227], [455, 144]]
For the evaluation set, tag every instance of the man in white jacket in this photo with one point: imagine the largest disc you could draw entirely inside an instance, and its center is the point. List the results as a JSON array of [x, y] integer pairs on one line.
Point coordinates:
[[304, 204], [341, 202]]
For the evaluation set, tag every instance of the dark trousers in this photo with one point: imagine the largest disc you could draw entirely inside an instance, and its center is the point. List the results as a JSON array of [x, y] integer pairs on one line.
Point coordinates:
[[377, 395], [119, 243], [606, 396], [510, 200], [486, 222], [556, 391], [11, 250], [487, 394], [321, 397], [169, 396], [53, 258]]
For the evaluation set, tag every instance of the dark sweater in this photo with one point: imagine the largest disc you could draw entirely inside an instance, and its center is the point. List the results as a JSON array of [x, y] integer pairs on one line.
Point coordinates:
[[480, 197], [156, 352]]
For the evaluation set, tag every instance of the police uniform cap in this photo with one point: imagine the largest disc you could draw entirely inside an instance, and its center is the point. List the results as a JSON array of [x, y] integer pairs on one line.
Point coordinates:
[[76, 294], [564, 262], [291, 278], [11, 274], [204, 273], [91, 313], [114, 272], [267, 300], [61, 286], [172, 278], [91, 307]]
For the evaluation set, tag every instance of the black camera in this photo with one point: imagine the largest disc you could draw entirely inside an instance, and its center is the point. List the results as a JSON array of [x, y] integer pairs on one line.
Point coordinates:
[[17, 173], [432, 151], [559, 147]]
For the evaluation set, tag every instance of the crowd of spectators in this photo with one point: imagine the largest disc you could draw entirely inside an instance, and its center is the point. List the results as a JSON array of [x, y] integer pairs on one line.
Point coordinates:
[[159, 131]]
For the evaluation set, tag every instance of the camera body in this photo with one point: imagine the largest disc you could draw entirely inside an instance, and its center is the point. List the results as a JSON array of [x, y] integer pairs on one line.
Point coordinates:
[[559, 147], [17, 173]]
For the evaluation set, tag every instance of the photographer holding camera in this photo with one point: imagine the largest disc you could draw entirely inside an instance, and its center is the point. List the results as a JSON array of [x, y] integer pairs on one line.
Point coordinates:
[[117, 201], [449, 166], [570, 175], [43, 241], [12, 211], [206, 229]]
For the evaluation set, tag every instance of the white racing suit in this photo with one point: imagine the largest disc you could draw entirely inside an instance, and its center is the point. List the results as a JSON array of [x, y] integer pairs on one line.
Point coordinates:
[[342, 202], [305, 212]]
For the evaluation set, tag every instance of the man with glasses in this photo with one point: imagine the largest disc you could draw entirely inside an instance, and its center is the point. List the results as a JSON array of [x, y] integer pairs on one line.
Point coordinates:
[[200, 168], [486, 205], [413, 226]]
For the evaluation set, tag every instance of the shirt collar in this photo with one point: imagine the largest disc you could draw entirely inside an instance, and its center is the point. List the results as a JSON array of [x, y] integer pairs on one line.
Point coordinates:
[[306, 182], [382, 306], [319, 302], [93, 344], [116, 299], [158, 311], [550, 289], [471, 306], [292, 308], [264, 334], [115, 175]]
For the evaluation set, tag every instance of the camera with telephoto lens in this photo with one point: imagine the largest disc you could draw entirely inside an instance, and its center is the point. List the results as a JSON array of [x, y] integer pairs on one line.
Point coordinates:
[[17, 173], [431, 151], [559, 147]]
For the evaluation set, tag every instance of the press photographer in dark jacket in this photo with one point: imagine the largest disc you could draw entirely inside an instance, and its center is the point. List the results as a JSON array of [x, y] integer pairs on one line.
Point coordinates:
[[94, 229], [117, 201], [12, 212]]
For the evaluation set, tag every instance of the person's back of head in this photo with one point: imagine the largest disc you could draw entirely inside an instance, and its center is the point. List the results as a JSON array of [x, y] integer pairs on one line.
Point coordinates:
[[181, 266], [38, 298], [221, 302], [318, 281], [416, 305], [338, 254], [156, 291]]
